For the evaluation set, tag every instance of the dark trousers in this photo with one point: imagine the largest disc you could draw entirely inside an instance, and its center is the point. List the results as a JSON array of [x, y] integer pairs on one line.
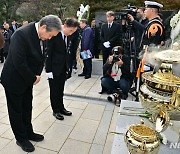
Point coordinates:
[[87, 70], [20, 113], [106, 53], [72, 64], [96, 51], [57, 92], [73, 60], [110, 84], [1, 55], [5, 55]]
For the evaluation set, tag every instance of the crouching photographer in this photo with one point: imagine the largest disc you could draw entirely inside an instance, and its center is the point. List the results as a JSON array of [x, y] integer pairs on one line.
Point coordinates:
[[118, 74]]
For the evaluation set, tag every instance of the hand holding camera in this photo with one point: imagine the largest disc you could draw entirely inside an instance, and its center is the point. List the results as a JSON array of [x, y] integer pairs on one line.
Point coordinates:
[[117, 56], [115, 59], [120, 62], [130, 17], [110, 59]]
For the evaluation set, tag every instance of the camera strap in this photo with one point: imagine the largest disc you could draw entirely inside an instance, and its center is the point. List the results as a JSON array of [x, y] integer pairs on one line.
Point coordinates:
[[115, 74]]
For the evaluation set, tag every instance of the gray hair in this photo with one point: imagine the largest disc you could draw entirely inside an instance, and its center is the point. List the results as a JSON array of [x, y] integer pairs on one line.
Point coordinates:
[[52, 22]]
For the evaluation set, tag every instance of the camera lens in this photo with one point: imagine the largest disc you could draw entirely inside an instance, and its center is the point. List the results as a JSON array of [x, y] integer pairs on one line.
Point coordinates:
[[109, 98]]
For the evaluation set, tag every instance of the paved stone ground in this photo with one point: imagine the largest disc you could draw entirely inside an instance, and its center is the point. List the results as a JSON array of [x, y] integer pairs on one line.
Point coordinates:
[[86, 132]]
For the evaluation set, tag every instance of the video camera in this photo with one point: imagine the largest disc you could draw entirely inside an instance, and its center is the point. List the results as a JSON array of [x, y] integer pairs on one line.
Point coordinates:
[[132, 10]]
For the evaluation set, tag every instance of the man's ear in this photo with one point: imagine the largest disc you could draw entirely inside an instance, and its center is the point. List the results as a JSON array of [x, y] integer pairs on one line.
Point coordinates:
[[65, 26], [44, 27]]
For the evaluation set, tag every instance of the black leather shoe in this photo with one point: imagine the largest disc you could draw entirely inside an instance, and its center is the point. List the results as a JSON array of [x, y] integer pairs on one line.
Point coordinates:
[[58, 116], [82, 74], [26, 146], [65, 112], [124, 96], [36, 137], [101, 92], [87, 77]]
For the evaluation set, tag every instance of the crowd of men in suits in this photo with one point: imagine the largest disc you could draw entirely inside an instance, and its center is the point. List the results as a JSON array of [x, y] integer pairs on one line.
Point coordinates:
[[93, 40]]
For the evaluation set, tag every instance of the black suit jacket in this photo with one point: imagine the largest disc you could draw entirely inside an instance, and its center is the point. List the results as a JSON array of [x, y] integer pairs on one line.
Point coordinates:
[[24, 61], [96, 37], [112, 35], [7, 37], [12, 29], [57, 61]]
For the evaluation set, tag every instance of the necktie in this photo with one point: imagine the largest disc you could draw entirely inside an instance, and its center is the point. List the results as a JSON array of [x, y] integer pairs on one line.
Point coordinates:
[[67, 55], [65, 43], [109, 26]]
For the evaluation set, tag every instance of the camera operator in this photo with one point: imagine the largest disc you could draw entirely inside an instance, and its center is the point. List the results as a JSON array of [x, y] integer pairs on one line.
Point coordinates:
[[138, 24], [118, 74]]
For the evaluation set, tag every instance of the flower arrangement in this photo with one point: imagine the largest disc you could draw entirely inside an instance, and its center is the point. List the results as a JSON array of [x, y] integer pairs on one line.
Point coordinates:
[[175, 24], [83, 12], [174, 20]]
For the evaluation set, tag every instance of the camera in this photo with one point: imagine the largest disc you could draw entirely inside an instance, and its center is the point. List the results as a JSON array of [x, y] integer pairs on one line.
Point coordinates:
[[132, 10], [115, 58], [115, 98], [116, 54]]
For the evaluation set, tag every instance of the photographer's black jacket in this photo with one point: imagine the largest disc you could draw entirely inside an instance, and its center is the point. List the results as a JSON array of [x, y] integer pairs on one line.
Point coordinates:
[[125, 68]]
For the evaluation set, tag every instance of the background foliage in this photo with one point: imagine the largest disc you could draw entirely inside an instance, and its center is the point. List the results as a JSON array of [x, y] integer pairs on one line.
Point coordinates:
[[33, 10]]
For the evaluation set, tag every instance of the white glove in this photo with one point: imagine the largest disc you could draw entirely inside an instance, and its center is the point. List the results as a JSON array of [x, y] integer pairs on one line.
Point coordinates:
[[106, 44], [49, 75], [146, 68]]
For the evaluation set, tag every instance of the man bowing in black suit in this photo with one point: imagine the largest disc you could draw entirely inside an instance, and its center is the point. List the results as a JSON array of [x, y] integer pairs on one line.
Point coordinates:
[[21, 71], [110, 35], [57, 67]]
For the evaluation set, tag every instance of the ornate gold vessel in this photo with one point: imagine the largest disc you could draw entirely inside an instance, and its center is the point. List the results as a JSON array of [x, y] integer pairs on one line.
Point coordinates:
[[163, 86], [159, 94], [141, 139]]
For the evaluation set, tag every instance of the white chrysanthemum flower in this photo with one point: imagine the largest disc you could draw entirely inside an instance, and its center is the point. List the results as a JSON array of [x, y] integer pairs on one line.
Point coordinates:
[[81, 8], [86, 8], [78, 13]]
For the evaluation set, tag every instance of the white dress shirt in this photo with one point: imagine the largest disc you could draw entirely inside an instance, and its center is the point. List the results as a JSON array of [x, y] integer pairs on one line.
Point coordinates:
[[37, 29], [110, 25], [65, 38]]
